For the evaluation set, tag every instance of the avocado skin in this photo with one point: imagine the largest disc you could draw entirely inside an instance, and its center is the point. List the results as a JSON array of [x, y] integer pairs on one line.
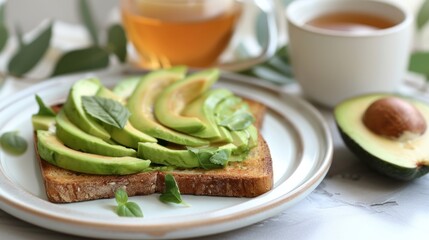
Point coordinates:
[[380, 165]]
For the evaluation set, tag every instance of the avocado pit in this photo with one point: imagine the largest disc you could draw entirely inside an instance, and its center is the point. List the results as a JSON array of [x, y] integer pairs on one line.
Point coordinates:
[[394, 118]]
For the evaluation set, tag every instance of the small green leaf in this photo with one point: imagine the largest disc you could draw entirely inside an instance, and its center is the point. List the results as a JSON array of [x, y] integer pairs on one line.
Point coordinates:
[[125, 208], [419, 63], [82, 60], [2, 13], [43, 109], [210, 157], [30, 54], [88, 20], [171, 193], [106, 110], [117, 41], [238, 121], [121, 196], [423, 15], [13, 143]]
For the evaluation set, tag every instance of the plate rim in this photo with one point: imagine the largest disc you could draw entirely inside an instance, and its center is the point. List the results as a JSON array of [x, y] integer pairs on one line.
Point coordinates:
[[308, 185]]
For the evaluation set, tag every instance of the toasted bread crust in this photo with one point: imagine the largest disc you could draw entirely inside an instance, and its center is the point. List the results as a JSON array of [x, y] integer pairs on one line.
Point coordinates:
[[248, 178]]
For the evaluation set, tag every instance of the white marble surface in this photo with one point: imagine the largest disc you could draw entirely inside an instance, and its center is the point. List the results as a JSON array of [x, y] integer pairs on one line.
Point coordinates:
[[352, 202]]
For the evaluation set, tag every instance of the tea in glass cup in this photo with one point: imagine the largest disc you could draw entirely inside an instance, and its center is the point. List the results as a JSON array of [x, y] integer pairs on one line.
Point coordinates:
[[172, 32]]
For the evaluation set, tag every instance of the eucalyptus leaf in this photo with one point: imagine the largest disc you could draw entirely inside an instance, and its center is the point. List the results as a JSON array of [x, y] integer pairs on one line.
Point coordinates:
[[171, 193], [43, 109], [88, 20], [13, 143], [419, 63], [4, 35], [82, 60], [117, 41], [106, 110], [30, 54], [423, 15]]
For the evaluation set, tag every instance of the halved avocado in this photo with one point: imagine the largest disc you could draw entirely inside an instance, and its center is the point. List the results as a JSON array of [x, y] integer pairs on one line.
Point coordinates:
[[75, 138], [142, 101], [173, 100], [52, 150], [396, 158], [74, 109]]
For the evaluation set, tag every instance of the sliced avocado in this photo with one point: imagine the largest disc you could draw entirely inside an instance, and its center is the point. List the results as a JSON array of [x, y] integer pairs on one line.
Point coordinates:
[[75, 138], [142, 101], [52, 150], [172, 157], [40, 122], [128, 136], [203, 108], [74, 109], [175, 97], [124, 88], [404, 160]]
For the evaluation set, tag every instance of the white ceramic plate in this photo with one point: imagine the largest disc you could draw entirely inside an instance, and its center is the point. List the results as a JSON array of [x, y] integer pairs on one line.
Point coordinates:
[[299, 141]]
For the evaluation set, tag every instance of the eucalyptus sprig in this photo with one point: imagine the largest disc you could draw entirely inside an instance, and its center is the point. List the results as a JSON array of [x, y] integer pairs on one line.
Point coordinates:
[[95, 56], [419, 60]]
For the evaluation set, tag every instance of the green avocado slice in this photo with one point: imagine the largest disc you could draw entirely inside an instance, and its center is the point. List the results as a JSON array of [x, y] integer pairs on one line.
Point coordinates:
[[74, 109], [73, 137], [128, 136], [173, 100], [52, 150], [142, 101], [42, 122], [124, 88], [173, 157], [402, 160], [203, 108]]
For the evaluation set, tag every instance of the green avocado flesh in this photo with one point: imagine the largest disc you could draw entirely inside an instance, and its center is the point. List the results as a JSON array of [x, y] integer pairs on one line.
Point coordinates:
[[141, 104], [404, 160], [188, 136], [79, 140], [128, 136], [173, 100], [75, 112], [52, 150]]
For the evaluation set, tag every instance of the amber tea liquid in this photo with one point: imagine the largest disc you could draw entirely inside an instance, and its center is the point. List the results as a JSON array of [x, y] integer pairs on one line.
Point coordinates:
[[166, 42], [352, 22]]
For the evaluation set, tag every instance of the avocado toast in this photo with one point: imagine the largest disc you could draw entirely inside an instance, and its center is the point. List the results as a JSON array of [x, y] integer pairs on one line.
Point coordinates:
[[149, 148]]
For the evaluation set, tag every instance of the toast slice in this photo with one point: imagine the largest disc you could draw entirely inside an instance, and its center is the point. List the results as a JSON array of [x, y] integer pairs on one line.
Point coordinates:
[[249, 178]]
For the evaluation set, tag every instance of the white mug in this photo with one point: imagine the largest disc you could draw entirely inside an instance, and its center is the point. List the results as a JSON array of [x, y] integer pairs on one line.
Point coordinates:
[[331, 66]]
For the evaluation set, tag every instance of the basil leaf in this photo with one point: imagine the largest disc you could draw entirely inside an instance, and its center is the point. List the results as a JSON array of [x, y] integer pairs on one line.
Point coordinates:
[[171, 193], [238, 121], [43, 109], [125, 208], [423, 15], [210, 158], [419, 63], [30, 54], [220, 157], [106, 110], [82, 60], [117, 42], [88, 20], [121, 196], [13, 143]]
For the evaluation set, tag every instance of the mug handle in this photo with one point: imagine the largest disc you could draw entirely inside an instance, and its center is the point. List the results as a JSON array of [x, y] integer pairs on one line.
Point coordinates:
[[268, 8]]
